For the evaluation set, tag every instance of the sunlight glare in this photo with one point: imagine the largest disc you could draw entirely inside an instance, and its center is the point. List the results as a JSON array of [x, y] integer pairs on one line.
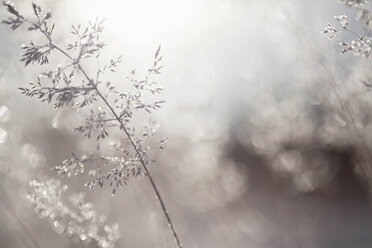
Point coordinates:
[[143, 18]]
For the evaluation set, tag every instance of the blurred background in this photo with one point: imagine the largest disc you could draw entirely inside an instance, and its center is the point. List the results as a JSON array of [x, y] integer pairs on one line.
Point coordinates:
[[260, 151]]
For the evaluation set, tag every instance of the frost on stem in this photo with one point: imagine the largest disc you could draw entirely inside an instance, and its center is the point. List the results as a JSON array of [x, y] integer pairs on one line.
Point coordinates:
[[79, 222]]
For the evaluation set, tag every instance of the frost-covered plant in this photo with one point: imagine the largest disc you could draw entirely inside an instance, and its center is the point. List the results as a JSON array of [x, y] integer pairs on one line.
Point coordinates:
[[105, 105], [77, 222], [362, 45]]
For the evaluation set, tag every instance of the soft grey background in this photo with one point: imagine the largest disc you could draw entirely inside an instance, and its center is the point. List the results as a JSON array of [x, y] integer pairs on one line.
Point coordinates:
[[259, 153]]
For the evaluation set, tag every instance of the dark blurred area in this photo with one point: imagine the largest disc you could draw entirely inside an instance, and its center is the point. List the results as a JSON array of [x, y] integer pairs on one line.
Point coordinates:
[[260, 151]]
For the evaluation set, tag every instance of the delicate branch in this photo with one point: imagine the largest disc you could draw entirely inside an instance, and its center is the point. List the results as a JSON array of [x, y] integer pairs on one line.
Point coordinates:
[[88, 45]]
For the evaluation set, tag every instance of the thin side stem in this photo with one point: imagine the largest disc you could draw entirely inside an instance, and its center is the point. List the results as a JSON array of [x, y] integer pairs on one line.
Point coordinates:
[[355, 132], [358, 137], [21, 222]]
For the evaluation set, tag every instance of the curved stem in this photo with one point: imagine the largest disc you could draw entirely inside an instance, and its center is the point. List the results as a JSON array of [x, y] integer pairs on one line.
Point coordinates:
[[122, 126]]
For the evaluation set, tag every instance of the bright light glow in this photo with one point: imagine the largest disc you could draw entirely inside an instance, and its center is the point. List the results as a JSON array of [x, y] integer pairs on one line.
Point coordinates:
[[142, 18]]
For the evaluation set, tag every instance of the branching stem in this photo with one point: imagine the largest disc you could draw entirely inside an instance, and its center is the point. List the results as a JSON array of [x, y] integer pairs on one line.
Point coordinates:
[[122, 126]]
